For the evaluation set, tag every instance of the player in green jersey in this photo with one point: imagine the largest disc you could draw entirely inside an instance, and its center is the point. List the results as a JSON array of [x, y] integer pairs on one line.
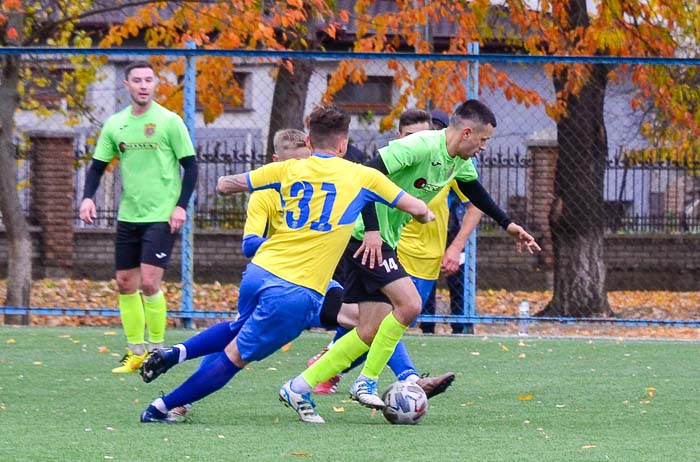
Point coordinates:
[[151, 143], [422, 164]]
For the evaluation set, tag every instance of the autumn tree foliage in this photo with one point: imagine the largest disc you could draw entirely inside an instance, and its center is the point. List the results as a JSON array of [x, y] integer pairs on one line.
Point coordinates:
[[283, 25], [569, 28]]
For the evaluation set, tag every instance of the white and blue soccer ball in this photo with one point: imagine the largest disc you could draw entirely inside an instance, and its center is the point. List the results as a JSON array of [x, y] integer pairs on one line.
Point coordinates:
[[406, 403]]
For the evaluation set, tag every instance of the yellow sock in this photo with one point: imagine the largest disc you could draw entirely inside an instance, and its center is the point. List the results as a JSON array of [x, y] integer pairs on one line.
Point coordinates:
[[383, 346], [133, 321], [156, 316], [343, 352]]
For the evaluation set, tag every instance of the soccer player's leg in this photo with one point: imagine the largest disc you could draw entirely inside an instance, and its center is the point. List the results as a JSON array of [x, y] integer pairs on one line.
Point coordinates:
[[215, 338], [365, 388], [283, 313], [127, 261], [426, 290], [157, 244], [210, 341], [333, 314]]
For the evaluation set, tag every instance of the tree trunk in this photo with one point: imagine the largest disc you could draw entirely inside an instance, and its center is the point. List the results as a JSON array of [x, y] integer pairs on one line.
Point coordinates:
[[19, 271], [577, 220], [288, 100]]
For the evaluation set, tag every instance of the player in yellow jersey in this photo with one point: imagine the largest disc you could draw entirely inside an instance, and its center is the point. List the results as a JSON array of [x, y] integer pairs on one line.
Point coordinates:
[[283, 286]]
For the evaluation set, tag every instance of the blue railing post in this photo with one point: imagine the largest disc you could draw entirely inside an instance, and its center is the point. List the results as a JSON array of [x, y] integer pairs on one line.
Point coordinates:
[[470, 248], [187, 230]]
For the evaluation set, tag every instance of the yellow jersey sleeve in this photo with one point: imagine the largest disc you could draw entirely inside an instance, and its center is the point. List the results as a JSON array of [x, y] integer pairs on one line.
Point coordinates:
[[263, 214]]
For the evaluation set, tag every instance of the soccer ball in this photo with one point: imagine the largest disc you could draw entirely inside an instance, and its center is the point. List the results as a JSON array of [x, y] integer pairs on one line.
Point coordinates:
[[406, 403]]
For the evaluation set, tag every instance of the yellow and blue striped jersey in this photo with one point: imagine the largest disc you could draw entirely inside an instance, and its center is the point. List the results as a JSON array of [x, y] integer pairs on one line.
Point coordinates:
[[422, 246], [321, 198]]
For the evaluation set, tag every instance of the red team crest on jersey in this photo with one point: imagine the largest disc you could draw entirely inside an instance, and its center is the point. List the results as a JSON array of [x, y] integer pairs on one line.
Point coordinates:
[[149, 129]]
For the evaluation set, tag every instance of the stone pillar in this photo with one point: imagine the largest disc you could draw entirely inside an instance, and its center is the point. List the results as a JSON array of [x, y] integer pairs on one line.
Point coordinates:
[[52, 157], [543, 150]]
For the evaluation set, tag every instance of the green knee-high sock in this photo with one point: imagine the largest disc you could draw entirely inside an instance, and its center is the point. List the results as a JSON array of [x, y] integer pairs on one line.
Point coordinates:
[[343, 352], [133, 321], [383, 345], [156, 311]]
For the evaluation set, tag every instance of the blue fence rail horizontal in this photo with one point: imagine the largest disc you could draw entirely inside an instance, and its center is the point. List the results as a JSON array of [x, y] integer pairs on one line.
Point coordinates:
[[113, 312], [122, 51]]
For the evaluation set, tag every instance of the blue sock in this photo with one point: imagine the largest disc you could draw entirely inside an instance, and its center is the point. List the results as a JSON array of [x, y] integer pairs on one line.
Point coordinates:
[[339, 332], [356, 363], [212, 340], [207, 360], [400, 362], [203, 382]]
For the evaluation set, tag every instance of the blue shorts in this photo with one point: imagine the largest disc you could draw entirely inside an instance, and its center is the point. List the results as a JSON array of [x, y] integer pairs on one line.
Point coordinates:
[[272, 313], [425, 288]]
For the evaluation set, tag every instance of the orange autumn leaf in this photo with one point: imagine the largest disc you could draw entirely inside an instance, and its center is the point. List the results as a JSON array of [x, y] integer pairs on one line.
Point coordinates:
[[12, 33], [286, 347], [525, 397], [11, 5]]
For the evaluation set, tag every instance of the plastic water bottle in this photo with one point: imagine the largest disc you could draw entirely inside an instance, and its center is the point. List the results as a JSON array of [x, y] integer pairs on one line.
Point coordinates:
[[523, 312]]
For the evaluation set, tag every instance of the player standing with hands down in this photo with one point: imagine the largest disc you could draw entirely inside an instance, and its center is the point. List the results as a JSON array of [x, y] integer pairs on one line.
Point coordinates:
[[152, 144]]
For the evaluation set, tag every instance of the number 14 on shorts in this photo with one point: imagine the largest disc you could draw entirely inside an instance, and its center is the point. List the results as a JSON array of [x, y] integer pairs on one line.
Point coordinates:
[[390, 265]]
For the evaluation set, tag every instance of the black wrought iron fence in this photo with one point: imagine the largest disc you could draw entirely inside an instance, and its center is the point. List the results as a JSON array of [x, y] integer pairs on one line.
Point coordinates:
[[658, 195]]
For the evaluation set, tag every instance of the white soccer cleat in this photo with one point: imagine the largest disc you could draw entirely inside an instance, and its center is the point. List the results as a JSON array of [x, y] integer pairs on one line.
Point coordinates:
[[364, 391], [301, 403]]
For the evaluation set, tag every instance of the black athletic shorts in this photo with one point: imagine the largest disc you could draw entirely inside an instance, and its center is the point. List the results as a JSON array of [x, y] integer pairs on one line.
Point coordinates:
[[363, 284], [137, 243]]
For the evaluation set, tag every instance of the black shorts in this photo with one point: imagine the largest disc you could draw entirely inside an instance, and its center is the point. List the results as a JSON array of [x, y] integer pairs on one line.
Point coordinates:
[[363, 284], [136, 243]]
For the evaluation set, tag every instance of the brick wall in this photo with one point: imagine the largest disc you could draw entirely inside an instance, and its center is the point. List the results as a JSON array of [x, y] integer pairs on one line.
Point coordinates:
[[52, 199], [647, 262]]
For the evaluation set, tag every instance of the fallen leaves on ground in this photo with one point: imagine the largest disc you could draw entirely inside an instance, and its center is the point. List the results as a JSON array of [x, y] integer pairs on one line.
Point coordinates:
[[217, 297]]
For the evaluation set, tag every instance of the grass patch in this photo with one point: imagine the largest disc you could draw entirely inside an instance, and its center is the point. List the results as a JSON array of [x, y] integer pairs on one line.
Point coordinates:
[[513, 400]]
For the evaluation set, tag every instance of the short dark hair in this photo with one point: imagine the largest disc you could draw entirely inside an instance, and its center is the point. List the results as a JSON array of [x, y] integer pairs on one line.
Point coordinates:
[[475, 111], [326, 125], [136, 65], [414, 116]]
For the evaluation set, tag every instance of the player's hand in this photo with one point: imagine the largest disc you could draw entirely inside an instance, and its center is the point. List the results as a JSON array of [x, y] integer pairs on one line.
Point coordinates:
[[87, 210], [450, 261], [426, 217], [523, 239], [177, 219], [371, 249]]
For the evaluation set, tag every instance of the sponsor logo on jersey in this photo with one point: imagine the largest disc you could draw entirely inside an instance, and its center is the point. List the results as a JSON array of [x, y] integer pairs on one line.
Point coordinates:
[[422, 184], [142, 146]]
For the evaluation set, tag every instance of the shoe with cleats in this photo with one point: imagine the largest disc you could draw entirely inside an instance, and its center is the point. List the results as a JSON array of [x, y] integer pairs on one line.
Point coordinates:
[[328, 387], [301, 403], [153, 415], [364, 391], [179, 413], [433, 386], [158, 363], [130, 363]]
